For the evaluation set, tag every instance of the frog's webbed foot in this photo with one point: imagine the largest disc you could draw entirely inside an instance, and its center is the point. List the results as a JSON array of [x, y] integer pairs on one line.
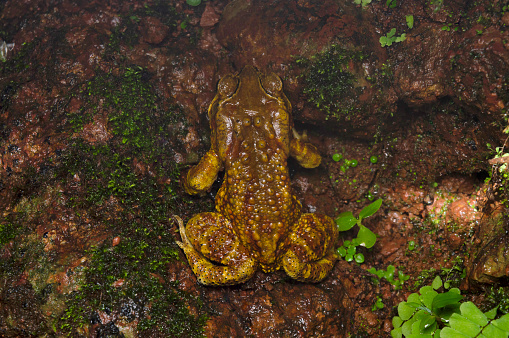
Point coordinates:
[[207, 240], [311, 256]]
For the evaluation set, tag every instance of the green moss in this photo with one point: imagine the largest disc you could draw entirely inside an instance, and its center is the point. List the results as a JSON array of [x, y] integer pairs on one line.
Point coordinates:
[[329, 85], [138, 117], [130, 279], [21, 60], [133, 274], [8, 231]]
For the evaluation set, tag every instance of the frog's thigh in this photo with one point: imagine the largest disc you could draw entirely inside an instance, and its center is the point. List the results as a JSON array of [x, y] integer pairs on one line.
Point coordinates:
[[311, 248], [207, 240]]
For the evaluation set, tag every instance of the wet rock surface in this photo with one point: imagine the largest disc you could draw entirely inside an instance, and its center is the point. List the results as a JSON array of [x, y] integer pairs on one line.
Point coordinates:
[[104, 105]]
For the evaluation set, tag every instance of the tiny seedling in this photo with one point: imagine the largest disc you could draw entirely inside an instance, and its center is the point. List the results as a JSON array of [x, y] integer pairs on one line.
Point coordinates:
[[365, 237], [379, 304], [410, 21], [391, 37], [363, 3], [389, 276]]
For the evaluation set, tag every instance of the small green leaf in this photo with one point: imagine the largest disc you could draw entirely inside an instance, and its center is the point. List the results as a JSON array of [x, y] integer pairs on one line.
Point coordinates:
[[391, 33], [444, 299], [427, 324], [193, 2], [401, 38], [492, 330], [472, 313], [359, 258], [410, 21], [405, 312], [464, 325], [492, 313], [345, 221], [366, 237], [370, 209], [437, 283], [396, 333], [428, 297], [414, 297], [397, 321], [406, 328], [341, 251], [502, 323], [447, 332]]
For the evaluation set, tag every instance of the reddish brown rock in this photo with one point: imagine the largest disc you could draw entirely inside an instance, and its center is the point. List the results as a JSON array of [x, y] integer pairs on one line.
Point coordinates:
[[153, 30]]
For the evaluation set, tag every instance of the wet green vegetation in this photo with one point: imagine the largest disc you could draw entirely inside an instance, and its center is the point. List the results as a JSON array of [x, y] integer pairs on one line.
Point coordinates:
[[329, 83], [129, 278]]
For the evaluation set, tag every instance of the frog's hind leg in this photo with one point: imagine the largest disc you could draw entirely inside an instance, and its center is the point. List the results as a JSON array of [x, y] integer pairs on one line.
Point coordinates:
[[208, 239], [311, 256]]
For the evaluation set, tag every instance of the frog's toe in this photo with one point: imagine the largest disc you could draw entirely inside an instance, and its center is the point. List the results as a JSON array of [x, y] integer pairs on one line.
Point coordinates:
[[308, 271], [185, 244]]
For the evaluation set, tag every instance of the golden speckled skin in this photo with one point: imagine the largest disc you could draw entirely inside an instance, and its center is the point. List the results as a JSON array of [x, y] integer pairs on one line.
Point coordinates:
[[258, 223]]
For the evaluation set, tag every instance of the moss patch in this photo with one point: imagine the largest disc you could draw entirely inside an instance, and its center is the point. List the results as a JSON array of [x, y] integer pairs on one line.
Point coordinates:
[[329, 83]]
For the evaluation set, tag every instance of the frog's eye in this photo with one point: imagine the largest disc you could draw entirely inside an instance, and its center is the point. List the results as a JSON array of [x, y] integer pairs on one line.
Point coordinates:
[[272, 84], [227, 86]]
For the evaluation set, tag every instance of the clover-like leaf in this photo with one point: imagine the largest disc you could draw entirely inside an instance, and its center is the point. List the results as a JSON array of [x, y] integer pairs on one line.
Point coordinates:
[[502, 322], [492, 313], [464, 325], [448, 332], [437, 283], [492, 331], [397, 321], [472, 313], [405, 311], [428, 297], [366, 237], [345, 221]]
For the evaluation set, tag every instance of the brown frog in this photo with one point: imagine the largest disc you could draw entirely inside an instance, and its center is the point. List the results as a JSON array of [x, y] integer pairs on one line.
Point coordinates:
[[259, 222]]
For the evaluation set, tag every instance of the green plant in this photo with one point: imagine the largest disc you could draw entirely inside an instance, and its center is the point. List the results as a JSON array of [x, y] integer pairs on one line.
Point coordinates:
[[337, 157], [433, 314], [373, 159], [391, 37], [411, 245], [193, 2], [389, 276], [410, 21], [363, 3], [329, 81], [365, 237], [379, 304], [346, 163], [348, 250], [391, 3]]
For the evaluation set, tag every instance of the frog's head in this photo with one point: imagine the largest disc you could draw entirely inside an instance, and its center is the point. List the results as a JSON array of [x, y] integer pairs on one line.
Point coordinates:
[[251, 90]]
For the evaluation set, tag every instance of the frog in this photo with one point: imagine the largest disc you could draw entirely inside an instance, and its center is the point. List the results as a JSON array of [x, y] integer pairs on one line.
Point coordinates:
[[258, 223]]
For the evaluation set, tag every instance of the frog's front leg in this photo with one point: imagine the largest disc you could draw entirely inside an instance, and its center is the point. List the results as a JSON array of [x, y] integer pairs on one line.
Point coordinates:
[[311, 256], [201, 177], [215, 254], [304, 152]]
